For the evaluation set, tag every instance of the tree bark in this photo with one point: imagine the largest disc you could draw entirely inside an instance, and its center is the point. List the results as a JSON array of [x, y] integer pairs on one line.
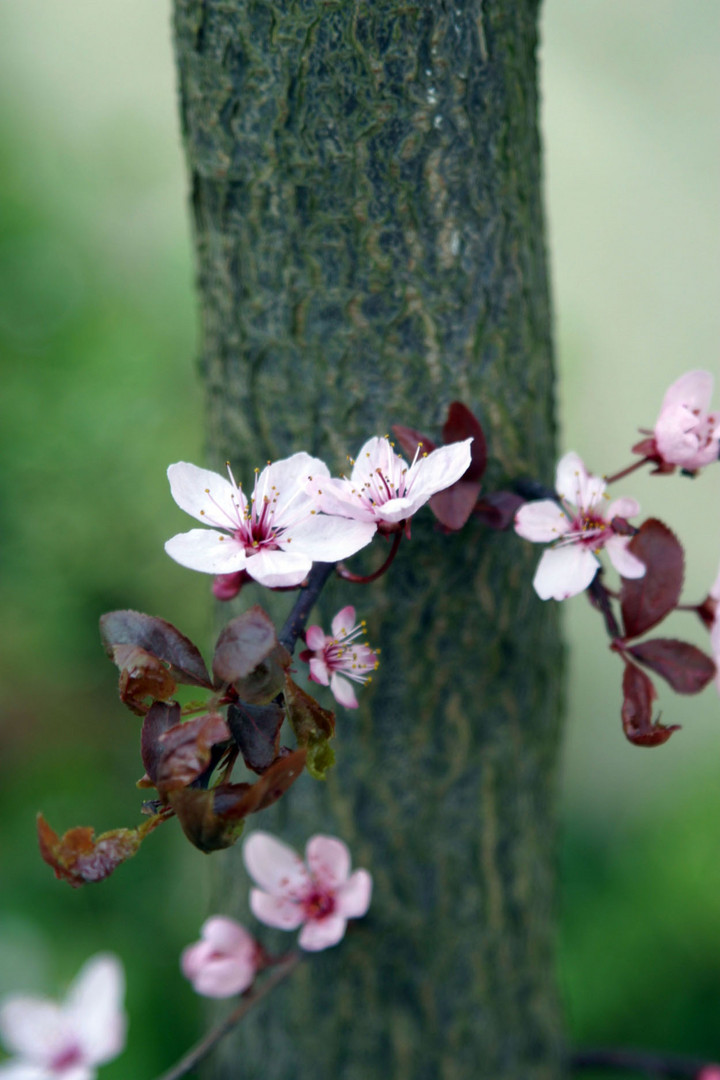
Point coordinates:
[[366, 189]]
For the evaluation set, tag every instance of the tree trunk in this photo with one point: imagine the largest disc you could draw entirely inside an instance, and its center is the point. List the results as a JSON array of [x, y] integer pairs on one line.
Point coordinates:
[[366, 188]]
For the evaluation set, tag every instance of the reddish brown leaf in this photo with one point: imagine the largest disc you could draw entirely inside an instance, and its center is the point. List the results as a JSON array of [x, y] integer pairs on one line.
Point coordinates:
[[160, 639], [453, 506], [647, 600], [498, 508], [248, 656], [307, 717], [214, 819], [79, 857], [687, 669], [410, 438], [142, 675], [461, 424], [161, 716], [637, 709], [256, 730], [185, 750]]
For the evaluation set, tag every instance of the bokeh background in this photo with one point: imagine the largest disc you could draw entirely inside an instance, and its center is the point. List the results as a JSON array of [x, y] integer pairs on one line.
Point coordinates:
[[97, 339]]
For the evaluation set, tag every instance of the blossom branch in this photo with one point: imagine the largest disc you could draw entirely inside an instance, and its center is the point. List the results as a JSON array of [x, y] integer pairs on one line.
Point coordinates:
[[200, 1051], [599, 597], [307, 598], [630, 469], [365, 579], [641, 1061]]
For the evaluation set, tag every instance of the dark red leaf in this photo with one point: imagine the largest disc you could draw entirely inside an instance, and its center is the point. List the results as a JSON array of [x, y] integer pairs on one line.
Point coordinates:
[[256, 730], [185, 750], [498, 508], [637, 709], [248, 656], [453, 506], [462, 424], [409, 439], [214, 819], [687, 669], [160, 639], [647, 600], [80, 858], [161, 716]]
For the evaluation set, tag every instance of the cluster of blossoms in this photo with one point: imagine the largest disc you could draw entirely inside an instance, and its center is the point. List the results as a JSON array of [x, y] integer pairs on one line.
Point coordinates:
[[319, 895]]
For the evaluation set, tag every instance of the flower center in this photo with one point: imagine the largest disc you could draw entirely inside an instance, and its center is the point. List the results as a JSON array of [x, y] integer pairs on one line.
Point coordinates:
[[67, 1058], [318, 904]]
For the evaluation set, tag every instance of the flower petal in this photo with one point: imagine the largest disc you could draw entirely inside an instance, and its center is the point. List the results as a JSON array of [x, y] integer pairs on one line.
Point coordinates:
[[328, 860], [33, 1027], [20, 1070], [275, 866], [342, 691], [564, 571], [376, 453], [315, 638], [94, 1008], [343, 499], [693, 390], [626, 564], [623, 507], [206, 495], [319, 671], [207, 551], [541, 521], [278, 568], [328, 539], [226, 935], [276, 911], [437, 471], [353, 898], [575, 484], [343, 622], [284, 482], [322, 933]]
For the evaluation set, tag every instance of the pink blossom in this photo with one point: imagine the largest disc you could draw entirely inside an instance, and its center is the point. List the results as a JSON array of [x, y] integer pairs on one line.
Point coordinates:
[[715, 629], [580, 529], [320, 896], [338, 657], [224, 962], [709, 1072], [67, 1040], [275, 536], [686, 433], [383, 489]]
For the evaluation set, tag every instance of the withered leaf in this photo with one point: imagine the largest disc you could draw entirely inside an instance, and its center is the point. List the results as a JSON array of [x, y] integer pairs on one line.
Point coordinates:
[[686, 668], [645, 601], [160, 639], [248, 655], [142, 675], [313, 727], [161, 716], [637, 709], [185, 750], [256, 730], [79, 857]]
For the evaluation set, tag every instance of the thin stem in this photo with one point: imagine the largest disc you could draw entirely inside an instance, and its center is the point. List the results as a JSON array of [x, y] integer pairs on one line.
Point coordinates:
[[307, 598], [600, 599], [641, 1061], [365, 579], [201, 1049], [626, 472]]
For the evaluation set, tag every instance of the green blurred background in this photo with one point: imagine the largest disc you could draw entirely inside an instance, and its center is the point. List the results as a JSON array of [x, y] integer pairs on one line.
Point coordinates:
[[97, 338]]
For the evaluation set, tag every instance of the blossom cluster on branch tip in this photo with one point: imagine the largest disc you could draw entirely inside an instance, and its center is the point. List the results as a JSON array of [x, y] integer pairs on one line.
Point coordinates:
[[319, 895], [69, 1039], [578, 528], [686, 433], [383, 490], [336, 657], [225, 960], [275, 535]]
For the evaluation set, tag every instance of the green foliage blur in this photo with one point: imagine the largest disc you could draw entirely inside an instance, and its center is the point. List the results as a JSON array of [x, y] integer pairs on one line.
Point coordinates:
[[99, 393]]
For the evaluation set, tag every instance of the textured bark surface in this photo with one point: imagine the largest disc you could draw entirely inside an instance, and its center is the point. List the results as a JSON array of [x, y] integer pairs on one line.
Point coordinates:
[[367, 196]]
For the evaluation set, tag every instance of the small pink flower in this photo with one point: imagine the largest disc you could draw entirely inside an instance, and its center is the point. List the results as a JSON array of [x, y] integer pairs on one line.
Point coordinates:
[[686, 432], [383, 489], [275, 536], [224, 962], [580, 529], [67, 1041], [320, 896], [335, 659], [709, 1072]]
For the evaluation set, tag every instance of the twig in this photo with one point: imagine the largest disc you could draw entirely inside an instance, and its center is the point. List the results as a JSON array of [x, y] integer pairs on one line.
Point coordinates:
[[365, 579], [600, 599], [201, 1050], [630, 469], [641, 1061], [298, 617]]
